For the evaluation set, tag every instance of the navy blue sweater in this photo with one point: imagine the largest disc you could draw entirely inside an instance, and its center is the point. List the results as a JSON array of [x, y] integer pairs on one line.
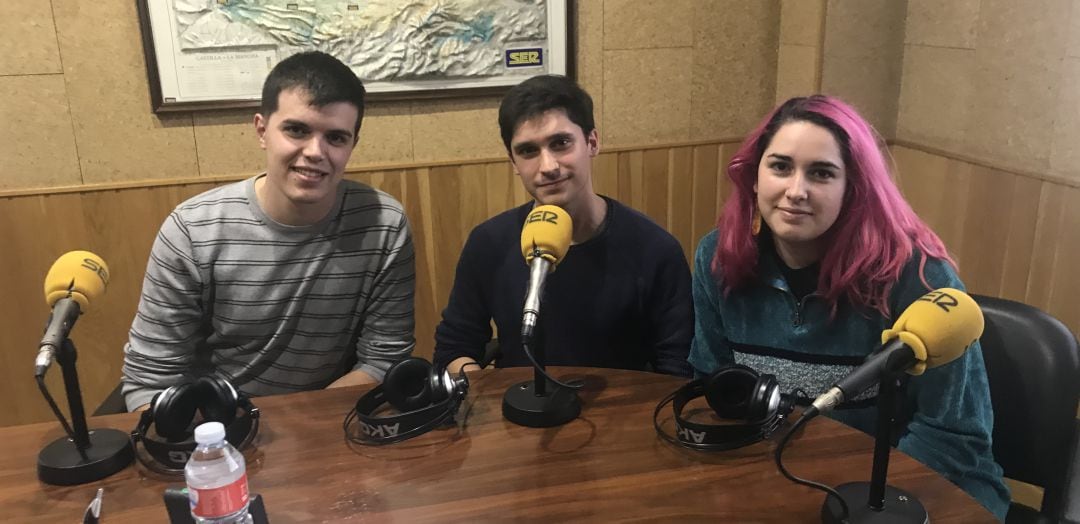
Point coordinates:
[[619, 300]]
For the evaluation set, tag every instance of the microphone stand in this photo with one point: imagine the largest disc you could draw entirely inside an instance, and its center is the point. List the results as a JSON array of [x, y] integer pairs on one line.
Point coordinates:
[[84, 455], [540, 403], [884, 503]]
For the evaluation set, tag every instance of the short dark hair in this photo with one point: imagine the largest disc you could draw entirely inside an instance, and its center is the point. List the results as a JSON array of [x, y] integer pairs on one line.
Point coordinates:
[[539, 95], [325, 79]]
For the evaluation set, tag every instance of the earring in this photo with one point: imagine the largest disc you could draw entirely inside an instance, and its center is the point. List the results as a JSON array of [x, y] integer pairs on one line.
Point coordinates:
[[755, 222]]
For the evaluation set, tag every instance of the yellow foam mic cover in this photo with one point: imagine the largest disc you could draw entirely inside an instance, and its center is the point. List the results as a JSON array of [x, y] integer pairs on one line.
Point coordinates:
[[547, 233], [939, 327], [80, 275]]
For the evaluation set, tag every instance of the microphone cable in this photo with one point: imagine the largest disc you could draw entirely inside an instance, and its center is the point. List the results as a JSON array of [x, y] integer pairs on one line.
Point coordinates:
[[577, 384], [59, 416], [807, 415]]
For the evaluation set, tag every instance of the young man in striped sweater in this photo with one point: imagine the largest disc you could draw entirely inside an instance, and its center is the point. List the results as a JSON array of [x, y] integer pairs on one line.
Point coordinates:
[[294, 279]]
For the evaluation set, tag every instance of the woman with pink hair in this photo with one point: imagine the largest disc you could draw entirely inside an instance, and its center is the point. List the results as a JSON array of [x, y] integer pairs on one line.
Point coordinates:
[[814, 255]]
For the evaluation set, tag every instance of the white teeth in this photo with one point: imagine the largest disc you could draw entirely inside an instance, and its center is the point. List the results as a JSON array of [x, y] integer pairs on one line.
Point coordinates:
[[308, 172]]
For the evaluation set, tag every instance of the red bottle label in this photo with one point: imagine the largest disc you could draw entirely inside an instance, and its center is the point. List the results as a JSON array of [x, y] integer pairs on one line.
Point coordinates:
[[219, 502]]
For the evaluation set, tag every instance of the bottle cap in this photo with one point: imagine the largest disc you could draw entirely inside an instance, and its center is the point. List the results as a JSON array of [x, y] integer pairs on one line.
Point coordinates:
[[209, 433]]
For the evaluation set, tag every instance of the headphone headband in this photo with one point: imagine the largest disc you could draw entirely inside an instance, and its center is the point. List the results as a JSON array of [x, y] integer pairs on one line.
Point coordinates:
[[764, 397], [168, 457], [716, 437], [390, 429], [446, 392]]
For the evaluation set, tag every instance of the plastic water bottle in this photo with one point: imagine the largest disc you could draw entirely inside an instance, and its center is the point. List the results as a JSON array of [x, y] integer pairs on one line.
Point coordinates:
[[216, 478]]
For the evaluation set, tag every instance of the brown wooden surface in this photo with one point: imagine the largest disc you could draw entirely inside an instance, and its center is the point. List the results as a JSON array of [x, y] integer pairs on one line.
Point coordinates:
[[608, 465]]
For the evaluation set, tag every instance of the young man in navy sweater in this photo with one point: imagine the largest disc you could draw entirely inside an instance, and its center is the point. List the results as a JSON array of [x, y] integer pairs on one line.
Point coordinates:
[[620, 298]]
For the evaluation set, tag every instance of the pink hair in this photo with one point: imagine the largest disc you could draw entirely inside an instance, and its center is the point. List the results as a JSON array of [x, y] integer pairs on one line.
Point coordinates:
[[875, 234]]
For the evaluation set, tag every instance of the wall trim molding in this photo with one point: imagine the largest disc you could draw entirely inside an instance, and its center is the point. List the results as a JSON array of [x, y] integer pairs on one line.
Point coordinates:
[[405, 166], [1045, 177], [399, 166]]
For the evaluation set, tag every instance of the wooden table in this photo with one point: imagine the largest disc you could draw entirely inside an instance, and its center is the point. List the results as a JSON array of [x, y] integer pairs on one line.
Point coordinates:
[[608, 465]]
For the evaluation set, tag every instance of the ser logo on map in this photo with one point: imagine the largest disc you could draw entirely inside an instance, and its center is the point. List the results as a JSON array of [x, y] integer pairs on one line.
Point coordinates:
[[525, 57]]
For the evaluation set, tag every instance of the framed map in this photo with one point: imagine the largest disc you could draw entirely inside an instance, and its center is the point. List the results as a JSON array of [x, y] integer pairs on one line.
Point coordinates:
[[211, 54]]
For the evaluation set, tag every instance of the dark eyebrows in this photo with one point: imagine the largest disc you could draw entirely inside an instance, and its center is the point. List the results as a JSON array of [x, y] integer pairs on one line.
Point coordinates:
[[347, 133], [291, 122], [523, 146], [825, 164], [817, 163]]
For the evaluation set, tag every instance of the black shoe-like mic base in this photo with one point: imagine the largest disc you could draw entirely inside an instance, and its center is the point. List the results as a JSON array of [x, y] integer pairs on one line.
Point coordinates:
[[900, 506], [556, 407], [60, 463]]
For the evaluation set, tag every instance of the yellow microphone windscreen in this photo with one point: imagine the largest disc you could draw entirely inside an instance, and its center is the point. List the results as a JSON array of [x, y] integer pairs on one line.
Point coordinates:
[[940, 325], [80, 275], [547, 233]]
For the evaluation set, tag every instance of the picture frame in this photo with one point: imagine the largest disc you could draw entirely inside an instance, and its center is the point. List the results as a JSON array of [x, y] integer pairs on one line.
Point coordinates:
[[215, 54]]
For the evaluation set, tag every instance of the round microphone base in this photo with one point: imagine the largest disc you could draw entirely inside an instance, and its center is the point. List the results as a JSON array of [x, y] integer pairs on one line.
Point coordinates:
[[900, 506], [60, 463], [558, 405]]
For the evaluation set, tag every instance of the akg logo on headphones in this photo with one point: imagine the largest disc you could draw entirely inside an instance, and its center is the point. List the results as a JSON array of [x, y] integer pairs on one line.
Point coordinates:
[[380, 430], [696, 437], [543, 216], [179, 457]]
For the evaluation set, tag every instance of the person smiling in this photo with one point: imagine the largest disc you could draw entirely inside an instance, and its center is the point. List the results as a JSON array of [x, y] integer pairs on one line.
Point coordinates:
[[290, 280], [619, 299], [814, 255]]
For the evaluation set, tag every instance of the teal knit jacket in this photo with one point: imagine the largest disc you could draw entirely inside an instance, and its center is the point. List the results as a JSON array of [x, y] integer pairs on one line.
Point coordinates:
[[947, 409]]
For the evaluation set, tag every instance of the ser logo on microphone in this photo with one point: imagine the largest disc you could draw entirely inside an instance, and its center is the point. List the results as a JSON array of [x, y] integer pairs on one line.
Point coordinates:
[[543, 216], [941, 299], [92, 265]]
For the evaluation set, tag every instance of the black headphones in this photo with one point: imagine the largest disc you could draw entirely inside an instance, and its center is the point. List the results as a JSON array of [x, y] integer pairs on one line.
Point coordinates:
[[425, 398], [172, 413], [734, 392]]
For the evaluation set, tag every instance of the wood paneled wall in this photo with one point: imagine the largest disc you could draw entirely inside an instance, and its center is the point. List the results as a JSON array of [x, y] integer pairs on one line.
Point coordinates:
[[1014, 235], [678, 186]]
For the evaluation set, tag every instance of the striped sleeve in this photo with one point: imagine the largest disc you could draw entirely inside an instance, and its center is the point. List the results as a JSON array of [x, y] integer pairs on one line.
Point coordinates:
[[386, 332], [166, 330]]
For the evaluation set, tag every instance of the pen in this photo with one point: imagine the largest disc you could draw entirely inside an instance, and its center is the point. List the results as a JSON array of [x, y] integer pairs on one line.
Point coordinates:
[[93, 511]]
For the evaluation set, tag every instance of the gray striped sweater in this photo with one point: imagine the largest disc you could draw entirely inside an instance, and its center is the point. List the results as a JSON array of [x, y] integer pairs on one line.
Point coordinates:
[[270, 307]]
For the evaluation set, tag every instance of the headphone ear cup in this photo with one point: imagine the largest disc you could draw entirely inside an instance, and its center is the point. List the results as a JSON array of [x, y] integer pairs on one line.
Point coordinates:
[[408, 384], [441, 384], [218, 399], [730, 391], [174, 409], [765, 388]]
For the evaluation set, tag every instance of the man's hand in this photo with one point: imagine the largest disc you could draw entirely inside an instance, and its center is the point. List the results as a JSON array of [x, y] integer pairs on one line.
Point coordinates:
[[353, 378]]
